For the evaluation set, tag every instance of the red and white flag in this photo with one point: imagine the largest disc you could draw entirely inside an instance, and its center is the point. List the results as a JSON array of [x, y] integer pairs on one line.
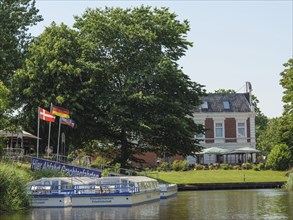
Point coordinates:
[[46, 116]]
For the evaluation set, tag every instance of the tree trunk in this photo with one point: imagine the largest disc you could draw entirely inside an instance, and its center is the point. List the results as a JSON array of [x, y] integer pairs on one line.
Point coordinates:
[[124, 149]]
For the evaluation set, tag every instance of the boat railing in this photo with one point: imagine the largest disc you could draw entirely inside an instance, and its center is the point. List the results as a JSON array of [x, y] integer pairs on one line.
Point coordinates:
[[41, 189], [104, 188]]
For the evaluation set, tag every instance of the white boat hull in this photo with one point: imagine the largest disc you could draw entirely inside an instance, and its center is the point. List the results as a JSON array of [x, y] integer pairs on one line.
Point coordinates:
[[168, 190], [114, 200], [50, 201]]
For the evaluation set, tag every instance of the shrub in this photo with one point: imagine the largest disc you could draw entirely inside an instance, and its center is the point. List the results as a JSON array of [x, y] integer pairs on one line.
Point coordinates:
[[198, 167], [180, 165], [224, 166], [255, 167], [236, 167], [163, 166], [212, 167], [106, 172], [101, 160], [280, 158], [289, 184], [261, 166], [37, 174], [13, 191], [246, 166]]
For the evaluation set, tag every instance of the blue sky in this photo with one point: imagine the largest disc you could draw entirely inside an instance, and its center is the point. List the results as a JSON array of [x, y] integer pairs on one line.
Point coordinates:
[[234, 41]]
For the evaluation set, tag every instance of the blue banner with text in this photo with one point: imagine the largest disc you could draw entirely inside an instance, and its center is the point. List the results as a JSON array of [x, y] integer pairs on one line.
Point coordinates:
[[69, 170]]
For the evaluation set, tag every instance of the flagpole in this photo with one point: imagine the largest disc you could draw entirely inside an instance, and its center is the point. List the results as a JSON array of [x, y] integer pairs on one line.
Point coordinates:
[[38, 140], [49, 135], [58, 139]]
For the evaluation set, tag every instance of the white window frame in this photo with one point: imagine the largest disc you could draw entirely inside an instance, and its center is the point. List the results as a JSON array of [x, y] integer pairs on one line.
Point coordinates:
[[244, 127], [217, 127], [240, 137]]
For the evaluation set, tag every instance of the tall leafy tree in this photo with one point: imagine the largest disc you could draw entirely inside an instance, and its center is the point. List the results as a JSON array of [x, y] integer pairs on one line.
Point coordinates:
[[147, 99], [287, 118], [16, 16], [118, 75], [4, 103], [287, 84], [51, 74], [271, 136]]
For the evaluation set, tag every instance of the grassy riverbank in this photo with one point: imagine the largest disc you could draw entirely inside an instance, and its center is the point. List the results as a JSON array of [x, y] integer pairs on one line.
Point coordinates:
[[219, 176], [13, 187]]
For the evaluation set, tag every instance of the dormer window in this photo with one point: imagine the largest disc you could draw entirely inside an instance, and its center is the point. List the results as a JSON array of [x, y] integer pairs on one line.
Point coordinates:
[[204, 105], [226, 105]]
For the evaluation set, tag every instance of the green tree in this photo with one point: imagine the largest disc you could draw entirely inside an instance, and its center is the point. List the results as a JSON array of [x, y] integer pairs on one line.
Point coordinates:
[[51, 74], [16, 16], [280, 158], [4, 103], [123, 85], [287, 84], [147, 98], [270, 137], [287, 118]]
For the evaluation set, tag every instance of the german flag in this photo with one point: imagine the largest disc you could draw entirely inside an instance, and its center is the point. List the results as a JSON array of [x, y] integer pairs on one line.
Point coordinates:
[[61, 112]]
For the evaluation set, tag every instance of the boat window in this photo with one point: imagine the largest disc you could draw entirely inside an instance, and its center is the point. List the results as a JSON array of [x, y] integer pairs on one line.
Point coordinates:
[[64, 185], [55, 184], [47, 182]]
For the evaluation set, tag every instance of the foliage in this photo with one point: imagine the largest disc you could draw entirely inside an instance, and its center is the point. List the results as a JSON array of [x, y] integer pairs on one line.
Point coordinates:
[[258, 167], [198, 166], [261, 166], [51, 74], [164, 166], [101, 161], [13, 187], [38, 174], [4, 104], [289, 184], [246, 166], [237, 167], [287, 84], [261, 121], [286, 127], [212, 167], [16, 17], [280, 158], [270, 137], [180, 165], [224, 166], [118, 75]]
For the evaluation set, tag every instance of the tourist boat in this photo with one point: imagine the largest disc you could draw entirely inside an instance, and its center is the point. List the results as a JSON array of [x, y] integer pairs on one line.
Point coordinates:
[[54, 192], [168, 190], [92, 191], [116, 191]]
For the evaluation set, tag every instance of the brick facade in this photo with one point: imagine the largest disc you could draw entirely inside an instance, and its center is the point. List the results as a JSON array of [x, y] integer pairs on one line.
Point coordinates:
[[230, 130]]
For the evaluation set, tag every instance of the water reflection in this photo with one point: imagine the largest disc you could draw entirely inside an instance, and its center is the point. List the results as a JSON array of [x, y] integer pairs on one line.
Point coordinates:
[[232, 204], [225, 204], [145, 211]]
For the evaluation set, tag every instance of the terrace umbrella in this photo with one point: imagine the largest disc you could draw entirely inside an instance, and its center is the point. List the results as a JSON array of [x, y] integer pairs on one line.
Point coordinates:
[[245, 150], [215, 150]]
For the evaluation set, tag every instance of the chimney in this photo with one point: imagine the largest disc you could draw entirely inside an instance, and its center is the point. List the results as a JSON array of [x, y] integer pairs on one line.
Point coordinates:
[[248, 90]]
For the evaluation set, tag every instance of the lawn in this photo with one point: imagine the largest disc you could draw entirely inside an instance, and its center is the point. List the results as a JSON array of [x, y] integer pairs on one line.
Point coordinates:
[[219, 176]]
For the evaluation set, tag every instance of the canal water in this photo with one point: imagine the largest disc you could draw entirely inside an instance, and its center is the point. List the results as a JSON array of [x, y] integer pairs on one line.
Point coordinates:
[[212, 205]]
